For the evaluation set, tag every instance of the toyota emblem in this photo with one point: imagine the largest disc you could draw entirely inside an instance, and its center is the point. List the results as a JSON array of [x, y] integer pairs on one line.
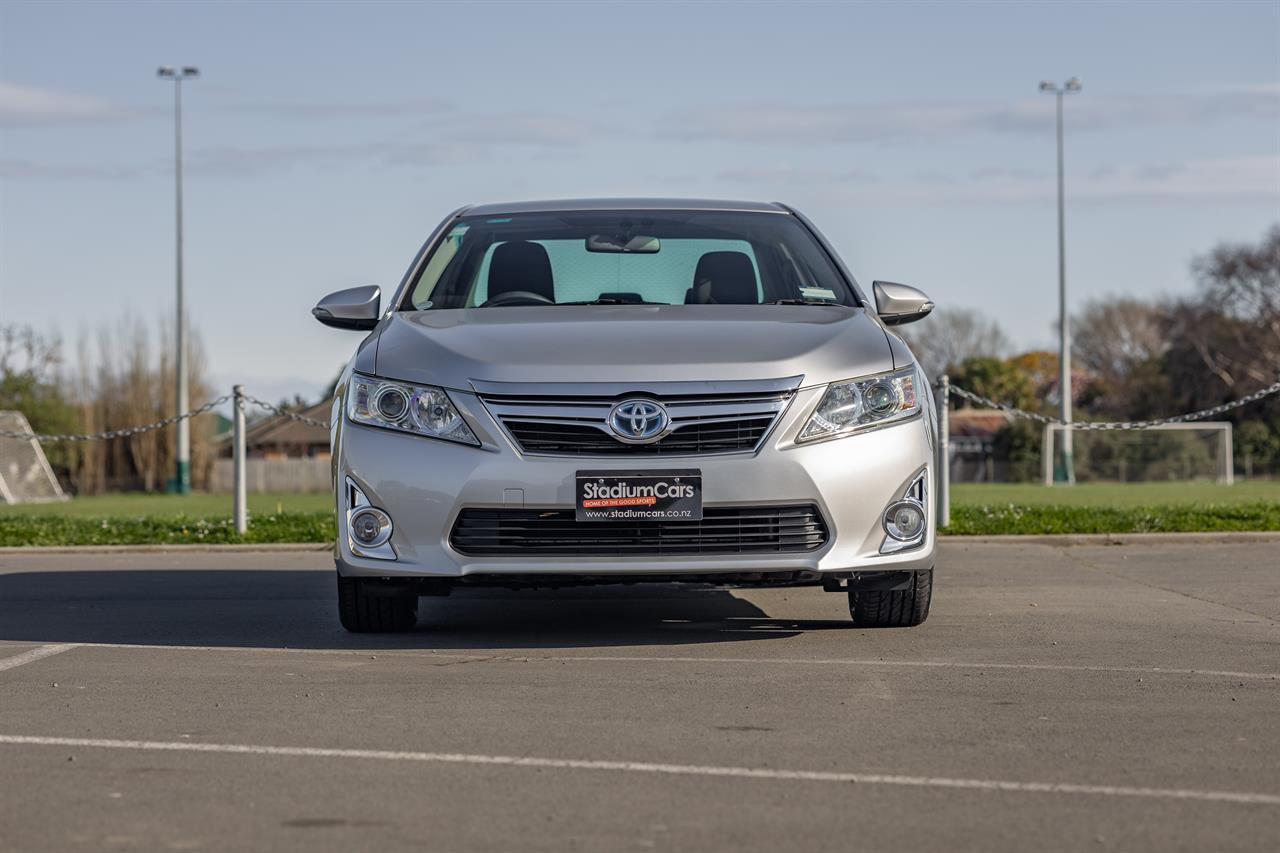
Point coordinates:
[[639, 421]]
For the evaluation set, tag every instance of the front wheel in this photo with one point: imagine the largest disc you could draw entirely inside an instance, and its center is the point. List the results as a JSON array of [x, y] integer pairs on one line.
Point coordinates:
[[364, 607], [903, 607]]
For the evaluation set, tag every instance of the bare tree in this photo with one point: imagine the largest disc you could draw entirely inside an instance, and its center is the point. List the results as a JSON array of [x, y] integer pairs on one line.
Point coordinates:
[[123, 381], [950, 336], [1241, 285], [1113, 335]]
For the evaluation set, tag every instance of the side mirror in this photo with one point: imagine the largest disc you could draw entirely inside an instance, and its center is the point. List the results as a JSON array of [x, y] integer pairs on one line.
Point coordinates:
[[356, 308], [900, 303]]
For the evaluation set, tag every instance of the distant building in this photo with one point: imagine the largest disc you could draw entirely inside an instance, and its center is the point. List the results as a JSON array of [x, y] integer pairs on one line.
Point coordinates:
[[278, 437], [972, 443]]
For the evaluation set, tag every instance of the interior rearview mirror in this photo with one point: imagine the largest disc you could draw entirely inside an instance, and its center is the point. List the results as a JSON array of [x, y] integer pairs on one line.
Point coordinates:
[[900, 303], [624, 244], [354, 308]]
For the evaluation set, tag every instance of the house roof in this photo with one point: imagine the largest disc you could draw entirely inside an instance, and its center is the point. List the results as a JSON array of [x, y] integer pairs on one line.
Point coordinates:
[[281, 430], [977, 422]]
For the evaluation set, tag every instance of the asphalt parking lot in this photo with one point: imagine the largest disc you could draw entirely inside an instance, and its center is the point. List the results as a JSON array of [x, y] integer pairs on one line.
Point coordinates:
[[1058, 698]]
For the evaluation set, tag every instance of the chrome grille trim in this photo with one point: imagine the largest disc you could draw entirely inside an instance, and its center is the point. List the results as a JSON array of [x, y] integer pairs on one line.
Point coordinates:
[[706, 418]]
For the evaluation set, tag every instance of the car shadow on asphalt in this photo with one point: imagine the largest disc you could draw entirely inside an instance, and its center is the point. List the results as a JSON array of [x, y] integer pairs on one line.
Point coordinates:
[[297, 609]]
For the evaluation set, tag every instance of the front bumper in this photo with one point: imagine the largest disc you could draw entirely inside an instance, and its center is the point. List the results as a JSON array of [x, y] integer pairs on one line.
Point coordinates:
[[424, 483]]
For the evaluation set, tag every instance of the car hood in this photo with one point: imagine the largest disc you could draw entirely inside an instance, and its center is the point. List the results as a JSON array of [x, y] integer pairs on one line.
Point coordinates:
[[631, 343]]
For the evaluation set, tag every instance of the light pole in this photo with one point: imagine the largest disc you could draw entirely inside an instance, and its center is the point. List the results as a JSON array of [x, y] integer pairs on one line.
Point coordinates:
[[182, 475], [1064, 320]]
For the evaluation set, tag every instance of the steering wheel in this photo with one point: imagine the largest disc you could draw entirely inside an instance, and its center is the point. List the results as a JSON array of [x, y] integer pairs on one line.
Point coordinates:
[[517, 297]]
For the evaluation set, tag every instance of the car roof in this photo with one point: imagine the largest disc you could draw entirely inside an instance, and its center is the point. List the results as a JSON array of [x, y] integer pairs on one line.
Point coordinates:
[[587, 204]]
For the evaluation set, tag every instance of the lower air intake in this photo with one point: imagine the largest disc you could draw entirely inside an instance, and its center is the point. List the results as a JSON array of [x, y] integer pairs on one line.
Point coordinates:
[[723, 530]]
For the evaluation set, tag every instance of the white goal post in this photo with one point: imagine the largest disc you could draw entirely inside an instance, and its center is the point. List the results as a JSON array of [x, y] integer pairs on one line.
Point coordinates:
[[1178, 451], [25, 475]]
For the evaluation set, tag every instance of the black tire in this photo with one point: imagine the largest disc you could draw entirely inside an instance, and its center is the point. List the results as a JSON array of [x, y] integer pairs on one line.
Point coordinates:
[[893, 608], [366, 611]]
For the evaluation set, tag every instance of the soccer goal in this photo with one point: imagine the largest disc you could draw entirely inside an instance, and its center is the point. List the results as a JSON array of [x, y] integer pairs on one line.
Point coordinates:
[[25, 475], [1200, 450]]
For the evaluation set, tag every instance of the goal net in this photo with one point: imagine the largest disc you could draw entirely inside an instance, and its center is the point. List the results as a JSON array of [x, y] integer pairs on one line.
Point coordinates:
[[1185, 451], [25, 475]]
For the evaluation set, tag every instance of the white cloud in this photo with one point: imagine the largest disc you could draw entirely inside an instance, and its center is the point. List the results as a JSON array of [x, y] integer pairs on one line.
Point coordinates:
[[1239, 180], [15, 169], [29, 105], [1227, 179], [785, 172], [527, 128], [453, 139], [794, 124], [346, 109]]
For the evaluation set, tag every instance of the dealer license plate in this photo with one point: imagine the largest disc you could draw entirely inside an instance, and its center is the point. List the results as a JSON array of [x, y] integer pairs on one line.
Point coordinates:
[[639, 495]]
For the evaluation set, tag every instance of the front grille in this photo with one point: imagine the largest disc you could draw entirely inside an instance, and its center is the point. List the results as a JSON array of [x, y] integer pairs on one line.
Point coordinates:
[[559, 425], [723, 530], [584, 440]]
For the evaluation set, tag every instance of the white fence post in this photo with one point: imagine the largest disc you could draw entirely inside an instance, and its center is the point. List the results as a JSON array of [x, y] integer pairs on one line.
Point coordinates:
[[944, 451], [240, 511]]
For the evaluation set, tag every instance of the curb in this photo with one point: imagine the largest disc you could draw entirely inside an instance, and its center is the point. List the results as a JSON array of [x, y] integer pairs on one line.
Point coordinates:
[[1235, 537], [250, 548]]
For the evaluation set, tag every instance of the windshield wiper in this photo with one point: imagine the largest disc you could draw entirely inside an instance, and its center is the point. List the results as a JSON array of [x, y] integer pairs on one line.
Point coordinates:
[[791, 300]]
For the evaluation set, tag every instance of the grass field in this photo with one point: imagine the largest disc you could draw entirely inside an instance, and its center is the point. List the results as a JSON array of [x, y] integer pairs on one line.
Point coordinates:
[[1025, 508], [194, 505], [138, 519], [976, 509], [1113, 494]]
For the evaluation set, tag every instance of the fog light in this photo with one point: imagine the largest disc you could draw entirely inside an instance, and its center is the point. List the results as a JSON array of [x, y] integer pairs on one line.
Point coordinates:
[[370, 527], [904, 520]]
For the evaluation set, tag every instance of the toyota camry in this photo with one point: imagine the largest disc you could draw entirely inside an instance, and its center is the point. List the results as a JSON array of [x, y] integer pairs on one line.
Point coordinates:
[[623, 391]]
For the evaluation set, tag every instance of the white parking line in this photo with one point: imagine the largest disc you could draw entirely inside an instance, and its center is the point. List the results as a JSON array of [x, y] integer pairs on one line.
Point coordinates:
[[940, 664], [35, 655], [500, 657], [663, 769]]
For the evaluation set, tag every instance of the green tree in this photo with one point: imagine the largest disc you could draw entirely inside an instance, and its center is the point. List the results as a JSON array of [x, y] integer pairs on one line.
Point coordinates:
[[1257, 447], [997, 378], [29, 383]]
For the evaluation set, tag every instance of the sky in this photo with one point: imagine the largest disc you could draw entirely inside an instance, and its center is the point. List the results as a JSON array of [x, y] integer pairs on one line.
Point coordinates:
[[324, 141]]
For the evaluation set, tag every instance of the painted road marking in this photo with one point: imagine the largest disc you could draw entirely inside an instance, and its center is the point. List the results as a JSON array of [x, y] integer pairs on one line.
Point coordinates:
[[35, 655], [500, 658], [663, 769], [1048, 667]]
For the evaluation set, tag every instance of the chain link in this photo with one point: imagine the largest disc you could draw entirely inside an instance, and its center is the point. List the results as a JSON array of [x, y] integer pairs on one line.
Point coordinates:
[[124, 432], [293, 416], [1106, 425]]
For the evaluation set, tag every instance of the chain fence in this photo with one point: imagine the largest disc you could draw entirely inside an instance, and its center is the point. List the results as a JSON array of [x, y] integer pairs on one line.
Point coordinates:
[[125, 432], [277, 410], [241, 400], [1114, 425]]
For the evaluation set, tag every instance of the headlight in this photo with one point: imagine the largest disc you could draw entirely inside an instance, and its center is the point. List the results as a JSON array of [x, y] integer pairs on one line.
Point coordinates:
[[863, 403], [420, 409]]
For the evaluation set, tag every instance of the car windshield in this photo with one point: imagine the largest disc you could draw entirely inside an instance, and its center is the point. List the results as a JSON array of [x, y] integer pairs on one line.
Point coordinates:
[[678, 257]]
